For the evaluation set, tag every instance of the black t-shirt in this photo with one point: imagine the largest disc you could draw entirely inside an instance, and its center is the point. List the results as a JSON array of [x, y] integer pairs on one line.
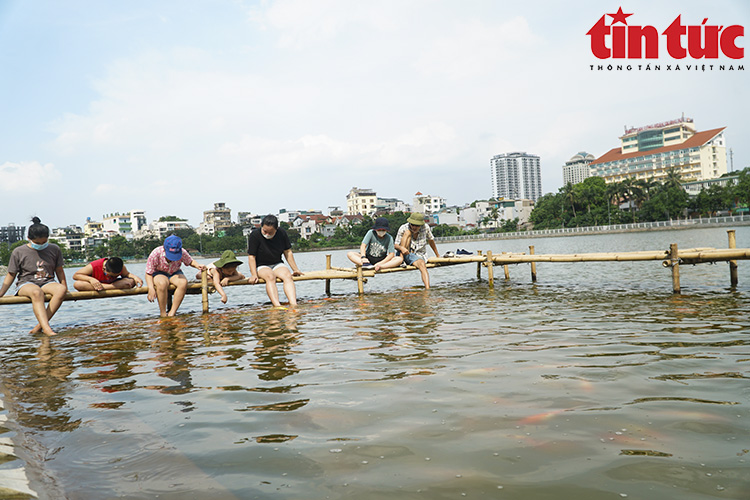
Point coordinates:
[[268, 252]]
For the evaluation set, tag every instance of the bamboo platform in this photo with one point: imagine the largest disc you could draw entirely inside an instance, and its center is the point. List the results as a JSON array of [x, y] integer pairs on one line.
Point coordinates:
[[671, 258]]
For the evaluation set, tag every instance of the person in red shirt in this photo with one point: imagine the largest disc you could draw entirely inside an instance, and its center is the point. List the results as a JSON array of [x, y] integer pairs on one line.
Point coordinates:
[[105, 274]]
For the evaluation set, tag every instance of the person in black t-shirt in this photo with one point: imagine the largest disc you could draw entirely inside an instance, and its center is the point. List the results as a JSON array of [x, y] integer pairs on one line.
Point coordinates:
[[265, 247]]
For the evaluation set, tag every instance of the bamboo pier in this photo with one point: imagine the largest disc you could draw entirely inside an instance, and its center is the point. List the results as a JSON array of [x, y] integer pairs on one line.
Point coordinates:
[[669, 258]]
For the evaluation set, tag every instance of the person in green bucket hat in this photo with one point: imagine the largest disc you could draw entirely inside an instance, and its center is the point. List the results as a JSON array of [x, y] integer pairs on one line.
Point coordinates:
[[411, 242], [224, 271]]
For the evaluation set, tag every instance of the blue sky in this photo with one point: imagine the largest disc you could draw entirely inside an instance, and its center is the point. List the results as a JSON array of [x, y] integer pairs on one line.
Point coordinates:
[[172, 106]]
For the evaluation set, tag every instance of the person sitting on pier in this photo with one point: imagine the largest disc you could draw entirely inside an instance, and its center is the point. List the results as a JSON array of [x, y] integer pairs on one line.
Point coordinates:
[[223, 271], [264, 250], [35, 263], [163, 268], [377, 248], [412, 240], [105, 274]]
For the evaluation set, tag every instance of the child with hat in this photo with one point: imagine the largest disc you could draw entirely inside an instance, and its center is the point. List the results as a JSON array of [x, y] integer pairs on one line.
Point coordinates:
[[163, 269], [224, 271], [377, 248]]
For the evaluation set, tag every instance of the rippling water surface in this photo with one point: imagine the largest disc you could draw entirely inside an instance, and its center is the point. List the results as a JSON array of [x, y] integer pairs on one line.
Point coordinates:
[[594, 382]]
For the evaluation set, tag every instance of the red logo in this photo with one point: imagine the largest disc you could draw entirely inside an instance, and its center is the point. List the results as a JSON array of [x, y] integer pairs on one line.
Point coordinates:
[[636, 42]]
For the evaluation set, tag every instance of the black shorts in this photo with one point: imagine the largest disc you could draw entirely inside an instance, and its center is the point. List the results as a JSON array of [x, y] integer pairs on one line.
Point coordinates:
[[374, 260]]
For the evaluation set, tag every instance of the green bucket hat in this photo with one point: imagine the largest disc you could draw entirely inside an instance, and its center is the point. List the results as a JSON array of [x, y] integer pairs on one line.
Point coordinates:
[[416, 218], [227, 257]]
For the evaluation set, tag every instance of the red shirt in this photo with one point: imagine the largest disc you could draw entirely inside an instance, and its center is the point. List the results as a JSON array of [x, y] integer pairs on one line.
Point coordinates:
[[98, 267]]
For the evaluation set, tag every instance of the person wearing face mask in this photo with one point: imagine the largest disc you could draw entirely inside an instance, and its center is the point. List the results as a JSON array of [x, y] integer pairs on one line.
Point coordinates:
[[377, 248], [35, 264], [265, 247]]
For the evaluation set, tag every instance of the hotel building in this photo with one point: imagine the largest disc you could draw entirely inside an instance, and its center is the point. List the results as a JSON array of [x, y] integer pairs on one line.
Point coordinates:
[[577, 168], [650, 152], [516, 176]]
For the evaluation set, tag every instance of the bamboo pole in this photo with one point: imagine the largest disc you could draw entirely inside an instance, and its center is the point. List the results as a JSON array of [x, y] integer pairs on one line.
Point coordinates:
[[733, 280], [490, 269], [675, 259], [507, 271], [533, 264], [479, 266], [204, 290], [360, 285], [328, 268]]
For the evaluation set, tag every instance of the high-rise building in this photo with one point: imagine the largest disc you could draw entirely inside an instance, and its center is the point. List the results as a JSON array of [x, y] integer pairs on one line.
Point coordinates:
[[651, 151], [577, 168], [516, 176], [11, 233]]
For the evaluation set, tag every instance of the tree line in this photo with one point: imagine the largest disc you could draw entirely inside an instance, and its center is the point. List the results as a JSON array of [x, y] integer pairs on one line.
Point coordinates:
[[594, 202]]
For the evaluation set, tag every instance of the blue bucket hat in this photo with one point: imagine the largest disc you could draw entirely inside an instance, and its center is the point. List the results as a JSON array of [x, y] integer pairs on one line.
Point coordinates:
[[173, 248]]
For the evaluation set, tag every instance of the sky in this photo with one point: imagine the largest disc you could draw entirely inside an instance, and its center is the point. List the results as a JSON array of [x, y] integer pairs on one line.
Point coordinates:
[[172, 106]]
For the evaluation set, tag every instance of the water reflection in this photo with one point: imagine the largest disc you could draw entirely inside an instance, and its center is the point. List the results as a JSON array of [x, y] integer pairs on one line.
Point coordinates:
[[524, 390]]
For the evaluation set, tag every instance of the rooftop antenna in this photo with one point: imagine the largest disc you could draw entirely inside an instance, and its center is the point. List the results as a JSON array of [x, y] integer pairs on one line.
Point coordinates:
[[731, 160]]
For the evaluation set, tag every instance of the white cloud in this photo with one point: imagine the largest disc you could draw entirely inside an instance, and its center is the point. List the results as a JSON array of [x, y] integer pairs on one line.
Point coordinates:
[[25, 177], [301, 22]]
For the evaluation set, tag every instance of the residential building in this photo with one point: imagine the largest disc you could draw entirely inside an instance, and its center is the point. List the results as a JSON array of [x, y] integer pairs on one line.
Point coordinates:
[[361, 201], [11, 233], [695, 187], [164, 228], [577, 168], [126, 224], [650, 152], [117, 224], [249, 219], [93, 227], [391, 205], [427, 204], [71, 237], [516, 176], [216, 220]]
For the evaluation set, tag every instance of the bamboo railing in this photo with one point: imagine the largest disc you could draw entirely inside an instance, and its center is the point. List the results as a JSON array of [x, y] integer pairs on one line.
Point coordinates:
[[671, 258]]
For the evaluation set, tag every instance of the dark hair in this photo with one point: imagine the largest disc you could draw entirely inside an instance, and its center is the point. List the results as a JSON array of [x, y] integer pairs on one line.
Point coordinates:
[[37, 229], [270, 220], [114, 264]]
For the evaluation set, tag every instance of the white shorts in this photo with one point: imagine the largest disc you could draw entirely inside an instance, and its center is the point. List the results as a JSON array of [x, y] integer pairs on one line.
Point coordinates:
[[273, 267]]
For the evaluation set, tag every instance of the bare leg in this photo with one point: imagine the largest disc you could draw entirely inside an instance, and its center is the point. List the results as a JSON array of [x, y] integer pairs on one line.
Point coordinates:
[[422, 266], [161, 283], [270, 278], [37, 304], [180, 282], [394, 262], [121, 284], [354, 257], [289, 289]]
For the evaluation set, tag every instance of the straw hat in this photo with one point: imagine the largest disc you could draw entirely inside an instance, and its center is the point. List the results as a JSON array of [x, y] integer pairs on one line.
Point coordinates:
[[227, 257]]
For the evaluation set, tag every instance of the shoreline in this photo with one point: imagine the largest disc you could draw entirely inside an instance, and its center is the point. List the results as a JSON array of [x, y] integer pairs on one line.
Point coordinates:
[[516, 235]]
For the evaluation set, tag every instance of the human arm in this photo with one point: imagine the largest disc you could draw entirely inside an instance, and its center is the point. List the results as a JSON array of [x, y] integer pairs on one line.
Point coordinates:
[[60, 272], [216, 279], [151, 288], [252, 263], [7, 282], [127, 274], [289, 256], [433, 245], [87, 274]]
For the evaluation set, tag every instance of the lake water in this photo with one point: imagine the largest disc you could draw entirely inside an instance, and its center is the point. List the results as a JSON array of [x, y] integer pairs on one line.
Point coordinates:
[[595, 382]]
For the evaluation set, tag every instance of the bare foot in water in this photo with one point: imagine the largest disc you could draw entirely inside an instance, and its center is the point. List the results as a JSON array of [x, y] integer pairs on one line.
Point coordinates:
[[38, 328]]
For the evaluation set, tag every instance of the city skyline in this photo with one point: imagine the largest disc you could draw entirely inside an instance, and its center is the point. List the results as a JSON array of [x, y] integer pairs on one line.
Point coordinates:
[[173, 106]]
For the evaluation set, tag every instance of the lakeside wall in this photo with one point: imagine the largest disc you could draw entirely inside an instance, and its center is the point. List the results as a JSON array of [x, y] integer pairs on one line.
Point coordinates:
[[732, 220]]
